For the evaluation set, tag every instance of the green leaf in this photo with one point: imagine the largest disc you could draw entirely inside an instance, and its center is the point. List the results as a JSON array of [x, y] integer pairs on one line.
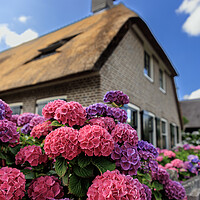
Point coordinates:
[[139, 173], [56, 123], [157, 195], [51, 172], [78, 186], [103, 164], [14, 150], [2, 156], [28, 173], [157, 185], [65, 179], [84, 172], [61, 166], [83, 160], [147, 176]]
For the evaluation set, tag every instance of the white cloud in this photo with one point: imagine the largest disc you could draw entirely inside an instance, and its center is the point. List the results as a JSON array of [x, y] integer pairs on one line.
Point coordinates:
[[192, 23], [23, 19], [12, 38], [193, 95]]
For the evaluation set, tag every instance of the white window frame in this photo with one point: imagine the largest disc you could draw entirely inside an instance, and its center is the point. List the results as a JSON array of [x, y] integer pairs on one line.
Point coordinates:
[[163, 90], [166, 131], [38, 101], [17, 104], [151, 79], [138, 118]]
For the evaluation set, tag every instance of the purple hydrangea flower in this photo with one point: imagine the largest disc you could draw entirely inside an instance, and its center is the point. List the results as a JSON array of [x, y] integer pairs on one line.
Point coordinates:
[[8, 131], [24, 118], [5, 111], [26, 129], [147, 150], [36, 120], [100, 109], [161, 175], [174, 190], [187, 165], [147, 191], [14, 118], [127, 158], [186, 147], [193, 158], [118, 97], [119, 114]]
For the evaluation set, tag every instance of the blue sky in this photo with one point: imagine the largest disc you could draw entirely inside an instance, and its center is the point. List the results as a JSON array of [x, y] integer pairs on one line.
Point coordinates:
[[174, 23]]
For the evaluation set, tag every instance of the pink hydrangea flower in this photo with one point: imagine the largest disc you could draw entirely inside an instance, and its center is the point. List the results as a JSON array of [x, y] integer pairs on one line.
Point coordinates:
[[113, 185], [160, 166], [95, 140], [32, 154], [125, 133], [12, 183], [36, 120], [71, 113], [2, 194], [62, 141], [45, 187], [173, 168], [169, 154], [41, 129], [168, 165], [49, 110], [106, 122], [177, 163], [159, 158]]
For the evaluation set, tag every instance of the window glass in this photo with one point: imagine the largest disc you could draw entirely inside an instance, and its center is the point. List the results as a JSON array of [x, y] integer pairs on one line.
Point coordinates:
[[177, 131], [161, 79], [132, 115], [158, 138], [164, 141], [16, 110], [164, 134], [148, 128], [172, 134], [147, 70]]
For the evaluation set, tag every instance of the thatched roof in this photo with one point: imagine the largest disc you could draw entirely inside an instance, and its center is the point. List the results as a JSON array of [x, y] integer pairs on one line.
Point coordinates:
[[81, 47], [191, 110]]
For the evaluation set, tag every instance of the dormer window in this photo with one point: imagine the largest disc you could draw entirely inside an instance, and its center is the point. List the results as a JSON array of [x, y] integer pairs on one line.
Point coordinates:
[[51, 49]]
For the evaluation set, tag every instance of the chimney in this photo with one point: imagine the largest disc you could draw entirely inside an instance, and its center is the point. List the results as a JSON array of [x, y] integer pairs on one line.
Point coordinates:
[[98, 5]]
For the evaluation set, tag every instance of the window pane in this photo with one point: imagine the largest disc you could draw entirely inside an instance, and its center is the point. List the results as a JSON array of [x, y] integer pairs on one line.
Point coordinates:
[[16, 110], [158, 138], [147, 70], [164, 141], [161, 78], [172, 135], [177, 130], [147, 128], [163, 127]]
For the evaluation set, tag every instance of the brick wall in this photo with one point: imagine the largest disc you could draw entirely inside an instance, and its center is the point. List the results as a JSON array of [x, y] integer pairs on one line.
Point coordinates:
[[84, 90]]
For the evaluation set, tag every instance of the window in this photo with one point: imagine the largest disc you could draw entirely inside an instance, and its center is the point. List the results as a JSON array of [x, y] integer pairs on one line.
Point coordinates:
[[178, 135], [173, 134], [16, 108], [133, 116], [51, 49], [42, 102], [164, 134], [161, 80], [158, 138], [148, 70], [148, 127]]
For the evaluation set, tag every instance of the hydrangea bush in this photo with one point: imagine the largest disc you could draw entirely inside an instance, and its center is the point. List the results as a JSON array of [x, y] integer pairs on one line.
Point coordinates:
[[184, 160], [77, 153]]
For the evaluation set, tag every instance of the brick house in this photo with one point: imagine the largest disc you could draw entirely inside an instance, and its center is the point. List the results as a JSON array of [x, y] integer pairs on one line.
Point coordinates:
[[111, 50]]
